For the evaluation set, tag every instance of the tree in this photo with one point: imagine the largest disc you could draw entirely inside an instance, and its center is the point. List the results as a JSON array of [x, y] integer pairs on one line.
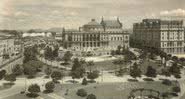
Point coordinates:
[[81, 92], [166, 72], [151, 72], [67, 56], [174, 69], [119, 62], [175, 58], [113, 53], [93, 75], [34, 89], [77, 70], [182, 61], [152, 56], [34, 64], [76, 64], [10, 77], [2, 74], [30, 54], [91, 96], [30, 71], [48, 71], [49, 86], [176, 89], [48, 53], [90, 64], [57, 75], [118, 51], [84, 81], [17, 70], [135, 71], [55, 51], [78, 73]]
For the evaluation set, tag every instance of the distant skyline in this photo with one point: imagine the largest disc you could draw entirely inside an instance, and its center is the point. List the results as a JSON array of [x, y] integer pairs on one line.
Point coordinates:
[[45, 14]]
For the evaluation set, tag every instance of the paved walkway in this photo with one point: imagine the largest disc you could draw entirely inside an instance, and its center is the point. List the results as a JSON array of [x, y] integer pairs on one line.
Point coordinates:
[[53, 63]]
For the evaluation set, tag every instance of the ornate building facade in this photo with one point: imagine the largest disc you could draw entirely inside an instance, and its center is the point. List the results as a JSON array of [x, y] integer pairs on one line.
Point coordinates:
[[96, 38], [167, 35]]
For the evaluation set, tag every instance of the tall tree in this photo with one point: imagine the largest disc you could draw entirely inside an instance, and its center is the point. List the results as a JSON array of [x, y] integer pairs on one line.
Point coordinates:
[[29, 54], [93, 75], [49, 86], [175, 69], [135, 71], [55, 51], [90, 64], [10, 77], [48, 71], [77, 70], [67, 56], [57, 75], [17, 70], [34, 89], [151, 72], [48, 53]]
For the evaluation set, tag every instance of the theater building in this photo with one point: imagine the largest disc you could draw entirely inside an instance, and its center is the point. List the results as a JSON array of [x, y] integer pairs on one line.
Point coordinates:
[[96, 38], [167, 35]]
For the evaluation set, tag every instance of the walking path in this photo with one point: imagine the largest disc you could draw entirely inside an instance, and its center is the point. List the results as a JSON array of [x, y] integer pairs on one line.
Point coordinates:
[[52, 63]]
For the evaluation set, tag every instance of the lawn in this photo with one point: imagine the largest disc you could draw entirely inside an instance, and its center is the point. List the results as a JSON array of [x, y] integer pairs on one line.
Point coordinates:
[[115, 90], [144, 65], [102, 90]]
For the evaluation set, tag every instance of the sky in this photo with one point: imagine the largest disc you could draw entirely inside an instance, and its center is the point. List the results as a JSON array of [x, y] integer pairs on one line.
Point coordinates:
[[45, 14]]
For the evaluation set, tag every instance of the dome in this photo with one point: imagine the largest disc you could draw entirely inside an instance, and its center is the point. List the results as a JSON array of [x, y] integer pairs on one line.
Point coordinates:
[[93, 23]]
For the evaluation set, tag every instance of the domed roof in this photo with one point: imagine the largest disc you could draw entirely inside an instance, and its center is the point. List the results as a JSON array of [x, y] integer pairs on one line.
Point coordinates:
[[93, 23]]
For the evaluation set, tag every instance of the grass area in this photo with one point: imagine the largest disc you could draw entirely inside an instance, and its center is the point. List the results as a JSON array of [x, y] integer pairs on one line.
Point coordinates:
[[105, 65], [144, 65], [102, 91], [183, 97], [115, 90]]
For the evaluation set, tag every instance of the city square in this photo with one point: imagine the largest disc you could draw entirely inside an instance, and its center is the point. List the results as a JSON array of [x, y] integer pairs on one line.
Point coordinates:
[[92, 49]]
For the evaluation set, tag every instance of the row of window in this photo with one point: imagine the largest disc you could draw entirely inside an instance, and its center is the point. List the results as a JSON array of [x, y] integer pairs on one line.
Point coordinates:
[[174, 50], [172, 44]]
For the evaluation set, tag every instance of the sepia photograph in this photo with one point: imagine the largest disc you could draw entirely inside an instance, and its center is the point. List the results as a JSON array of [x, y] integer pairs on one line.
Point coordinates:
[[92, 49]]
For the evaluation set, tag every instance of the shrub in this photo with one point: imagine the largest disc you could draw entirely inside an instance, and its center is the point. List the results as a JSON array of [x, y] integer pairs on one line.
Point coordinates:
[[91, 96], [33, 89], [93, 75], [165, 94], [174, 94], [166, 72], [167, 82], [2, 74], [132, 80], [81, 92], [49, 87], [57, 75], [151, 72], [48, 71], [17, 70], [176, 89], [84, 82], [148, 79], [31, 76], [178, 76], [10, 77], [32, 95]]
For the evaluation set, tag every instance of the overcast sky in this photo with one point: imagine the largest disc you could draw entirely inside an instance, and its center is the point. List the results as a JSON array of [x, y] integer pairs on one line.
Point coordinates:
[[27, 14]]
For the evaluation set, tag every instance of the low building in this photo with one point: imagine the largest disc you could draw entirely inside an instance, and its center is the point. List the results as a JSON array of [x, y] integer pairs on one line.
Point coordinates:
[[96, 38]]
